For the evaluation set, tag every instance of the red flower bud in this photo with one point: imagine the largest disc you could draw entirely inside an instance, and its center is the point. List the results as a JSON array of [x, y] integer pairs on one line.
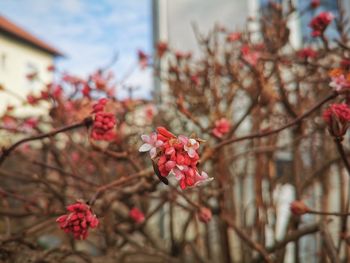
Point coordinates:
[[299, 208], [164, 132], [137, 215], [204, 215], [162, 47], [315, 3], [319, 23], [337, 116]]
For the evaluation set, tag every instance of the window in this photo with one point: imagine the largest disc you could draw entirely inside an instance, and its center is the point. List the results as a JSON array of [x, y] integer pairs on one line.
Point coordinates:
[[284, 168]]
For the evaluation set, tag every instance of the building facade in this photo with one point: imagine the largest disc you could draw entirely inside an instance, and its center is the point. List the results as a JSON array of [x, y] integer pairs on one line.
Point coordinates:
[[21, 53]]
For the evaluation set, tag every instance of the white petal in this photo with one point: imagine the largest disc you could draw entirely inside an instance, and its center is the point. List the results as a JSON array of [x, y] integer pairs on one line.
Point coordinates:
[[192, 141], [181, 167], [204, 175], [145, 138], [145, 147], [191, 152], [203, 182]]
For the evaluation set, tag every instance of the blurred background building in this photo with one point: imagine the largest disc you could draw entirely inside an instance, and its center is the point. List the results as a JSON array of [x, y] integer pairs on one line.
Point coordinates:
[[175, 22], [22, 54]]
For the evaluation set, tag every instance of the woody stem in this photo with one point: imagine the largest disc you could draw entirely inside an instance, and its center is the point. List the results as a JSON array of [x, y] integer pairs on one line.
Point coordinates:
[[340, 148]]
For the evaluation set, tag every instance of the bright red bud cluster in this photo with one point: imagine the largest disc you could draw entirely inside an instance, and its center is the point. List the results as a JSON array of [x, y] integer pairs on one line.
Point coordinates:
[[319, 23], [306, 53], [175, 155], [337, 116], [104, 122], [78, 221]]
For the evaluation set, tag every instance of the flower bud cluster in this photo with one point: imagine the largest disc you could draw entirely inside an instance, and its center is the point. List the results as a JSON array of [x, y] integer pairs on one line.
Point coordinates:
[[78, 221], [337, 117], [175, 155], [104, 122]]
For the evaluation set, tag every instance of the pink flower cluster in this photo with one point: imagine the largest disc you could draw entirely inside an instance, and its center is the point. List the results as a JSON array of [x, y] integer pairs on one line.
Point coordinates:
[[337, 117], [78, 221], [319, 23], [104, 122], [175, 155], [339, 82], [136, 215], [222, 127]]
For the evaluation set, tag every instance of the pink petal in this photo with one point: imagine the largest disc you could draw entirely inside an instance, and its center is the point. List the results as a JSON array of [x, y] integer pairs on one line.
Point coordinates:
[[153, 152], [183, 139], [177, 173], [153, 137], [204, 175], [159, 143], [169, 151], [170, 165], [145, 138], [203, 182]]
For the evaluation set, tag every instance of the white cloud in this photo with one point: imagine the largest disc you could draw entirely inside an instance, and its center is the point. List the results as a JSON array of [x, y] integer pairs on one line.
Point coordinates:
[[72, 6]]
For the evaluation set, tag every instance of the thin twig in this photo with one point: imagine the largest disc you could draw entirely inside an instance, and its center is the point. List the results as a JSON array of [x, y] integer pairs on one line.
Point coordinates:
[[6, 152]]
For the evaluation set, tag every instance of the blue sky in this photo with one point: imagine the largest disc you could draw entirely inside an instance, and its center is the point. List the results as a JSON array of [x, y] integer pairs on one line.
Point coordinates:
[[89, 32]]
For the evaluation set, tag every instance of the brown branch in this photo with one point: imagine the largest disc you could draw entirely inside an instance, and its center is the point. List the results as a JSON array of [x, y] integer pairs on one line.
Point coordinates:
[[245, 237], [7, 151], [288, 125], [294, 236], [342, 153], [327, 213], [118, 182], [329, 244]]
